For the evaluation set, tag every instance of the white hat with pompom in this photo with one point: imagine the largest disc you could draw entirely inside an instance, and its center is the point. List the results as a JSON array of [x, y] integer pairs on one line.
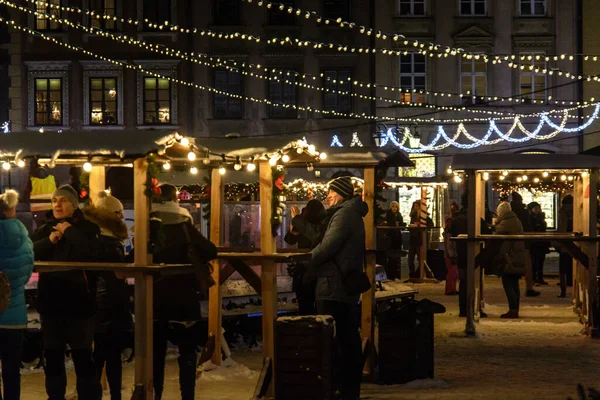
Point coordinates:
[[108, 202]]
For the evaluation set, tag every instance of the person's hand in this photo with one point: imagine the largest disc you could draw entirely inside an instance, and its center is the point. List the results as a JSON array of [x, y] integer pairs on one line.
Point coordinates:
[[62, 227], [55, 237], [294, 211]]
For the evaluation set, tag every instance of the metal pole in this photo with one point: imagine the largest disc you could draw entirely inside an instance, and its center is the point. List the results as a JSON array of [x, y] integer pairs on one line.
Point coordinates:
[[372, 68]]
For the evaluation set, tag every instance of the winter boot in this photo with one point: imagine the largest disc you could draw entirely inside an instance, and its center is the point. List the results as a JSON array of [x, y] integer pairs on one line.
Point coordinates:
[[511, 314], [532, 293]]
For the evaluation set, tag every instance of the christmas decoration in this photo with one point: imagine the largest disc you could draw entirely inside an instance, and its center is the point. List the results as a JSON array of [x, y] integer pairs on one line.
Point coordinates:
[[152, 190]]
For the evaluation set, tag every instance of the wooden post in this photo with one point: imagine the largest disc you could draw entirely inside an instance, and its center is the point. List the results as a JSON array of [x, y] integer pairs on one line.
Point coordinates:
[[368, 298], [97, 182], [479, 215], [143, 284], [214, 293], [578, 226], [592, 252], [268, 272], [471, 250], [423, 233]]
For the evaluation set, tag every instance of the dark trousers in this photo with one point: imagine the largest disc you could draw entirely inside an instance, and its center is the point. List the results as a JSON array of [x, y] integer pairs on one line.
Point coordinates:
[[306, 295], [11, 348], [348, 361], [565, 271], [413, 252], [392, 267], [186, 340], [462, 291], [538, 256], [511, 288], [78, 333], [107, 351]]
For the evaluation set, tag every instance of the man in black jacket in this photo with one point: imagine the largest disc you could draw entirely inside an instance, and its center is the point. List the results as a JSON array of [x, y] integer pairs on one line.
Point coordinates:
[[67, 299], [176, 298], [518, 207]]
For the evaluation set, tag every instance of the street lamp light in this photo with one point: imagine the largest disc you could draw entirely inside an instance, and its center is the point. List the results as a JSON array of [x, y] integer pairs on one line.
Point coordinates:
[[415, 138]]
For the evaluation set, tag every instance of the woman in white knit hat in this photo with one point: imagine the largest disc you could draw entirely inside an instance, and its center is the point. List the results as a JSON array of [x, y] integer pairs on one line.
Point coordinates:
[[112, 317]]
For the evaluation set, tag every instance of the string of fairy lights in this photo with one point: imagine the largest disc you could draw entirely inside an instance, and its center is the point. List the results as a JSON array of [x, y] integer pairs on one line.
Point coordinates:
[[243, 36]]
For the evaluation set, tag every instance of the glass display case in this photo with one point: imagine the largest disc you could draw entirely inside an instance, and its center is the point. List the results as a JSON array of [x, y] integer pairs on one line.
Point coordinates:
[[549, 203]]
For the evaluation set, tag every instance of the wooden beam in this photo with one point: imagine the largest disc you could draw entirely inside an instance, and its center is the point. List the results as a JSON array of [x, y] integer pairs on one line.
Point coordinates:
[[423, 223], [471, 249], [479, 215], [247, 273], [578, 226], [226, 271], [143, 285], [97, 182], [592, 251], [215, 308], [268, 272], [368, 298]]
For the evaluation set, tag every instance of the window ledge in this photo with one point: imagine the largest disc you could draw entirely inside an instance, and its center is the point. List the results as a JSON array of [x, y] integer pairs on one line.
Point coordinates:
[[103, 127], [158, 127], [48, 128]]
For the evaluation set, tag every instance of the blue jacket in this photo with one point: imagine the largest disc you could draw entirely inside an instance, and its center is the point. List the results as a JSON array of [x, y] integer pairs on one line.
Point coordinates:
[[342, 248], [16, 261]]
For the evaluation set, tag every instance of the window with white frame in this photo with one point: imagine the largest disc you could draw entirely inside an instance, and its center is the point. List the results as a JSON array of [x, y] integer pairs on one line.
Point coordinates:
[[473, 7], [413, 77], [473, 78], [410, 8], [157, 93], [532, 8], [102, 94], [48, 89], [45, 9], [533, 82], [104, 13]]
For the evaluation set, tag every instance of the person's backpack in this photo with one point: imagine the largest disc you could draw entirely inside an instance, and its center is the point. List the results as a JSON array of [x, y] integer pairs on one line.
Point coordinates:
[[4, 292]]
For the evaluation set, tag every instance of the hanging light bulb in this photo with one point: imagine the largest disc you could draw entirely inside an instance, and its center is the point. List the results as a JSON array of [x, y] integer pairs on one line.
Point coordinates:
[[87, 167], [449, 171], [311, 148], [457, 179], [6, 165], [502, 177], [193, 170], [323, 156], [486, 176], [563, 178], [285, 158], [237, 166], [251, 166], [185, 142], [519, 179], [584, 174], [505, 173], [525, 177], [310, 167], [545, 174], [167, 166], [191, 156], [570, 178], [221, 170], [21, 163], [273, 161], [299, 150], [536, 180]]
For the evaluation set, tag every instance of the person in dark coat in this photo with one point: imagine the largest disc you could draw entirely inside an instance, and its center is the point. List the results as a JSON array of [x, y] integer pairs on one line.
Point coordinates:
[[16, 263], [113, 319], [393, 218], [537, 250], [415, 239], [342, 250], [67, 299], [306, 232], [459, 226], [519, 208], [511, 258], [176, 298], [565, 225]]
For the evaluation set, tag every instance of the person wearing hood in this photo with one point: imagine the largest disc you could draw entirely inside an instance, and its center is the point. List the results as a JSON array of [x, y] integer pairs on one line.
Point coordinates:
[[172, 234], [112, 317], [565, 224], [509, 262], [16, 263], [518, 207], [67, 299], [393, 218], [341, 251], [538, 250]]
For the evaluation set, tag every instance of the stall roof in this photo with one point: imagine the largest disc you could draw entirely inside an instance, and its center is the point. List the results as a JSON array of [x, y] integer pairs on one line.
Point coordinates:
[[118, 144], [364, 157], [511, 161]]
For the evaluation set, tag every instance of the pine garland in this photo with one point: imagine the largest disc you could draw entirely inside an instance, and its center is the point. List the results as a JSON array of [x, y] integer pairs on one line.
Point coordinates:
[[277, 206], [152, 190]]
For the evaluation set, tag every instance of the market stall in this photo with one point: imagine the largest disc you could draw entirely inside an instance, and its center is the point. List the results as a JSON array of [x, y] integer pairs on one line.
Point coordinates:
[[577, 173]]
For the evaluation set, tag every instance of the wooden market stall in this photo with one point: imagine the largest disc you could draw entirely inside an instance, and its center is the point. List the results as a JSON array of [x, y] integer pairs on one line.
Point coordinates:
[[582, 172]]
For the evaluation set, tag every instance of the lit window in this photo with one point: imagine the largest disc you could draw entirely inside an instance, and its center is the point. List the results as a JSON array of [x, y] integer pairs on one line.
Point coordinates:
[[335, 81], [532, 79], [424, 167], [413, 73], [103, 9], [411, 8], [51, 8], [103, 101], [48, 101], [473, 7], [533, 8], [473, 79], [157, 101], [283, 93], [226, 106]]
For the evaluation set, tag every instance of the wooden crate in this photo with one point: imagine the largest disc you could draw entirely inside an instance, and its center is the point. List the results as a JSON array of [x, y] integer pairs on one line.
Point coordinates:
[[304, 358]]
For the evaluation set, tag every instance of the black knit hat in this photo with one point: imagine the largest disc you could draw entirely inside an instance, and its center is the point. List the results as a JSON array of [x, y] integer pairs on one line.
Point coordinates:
[[342, 186]]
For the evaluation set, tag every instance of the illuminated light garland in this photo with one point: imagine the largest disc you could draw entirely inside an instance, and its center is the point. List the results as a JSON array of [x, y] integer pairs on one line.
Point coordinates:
[[300, 43], [432, 48], [355, 140], [335, 142]]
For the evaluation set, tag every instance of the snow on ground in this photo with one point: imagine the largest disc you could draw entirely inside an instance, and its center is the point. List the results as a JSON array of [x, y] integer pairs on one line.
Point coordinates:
[[540, 356]]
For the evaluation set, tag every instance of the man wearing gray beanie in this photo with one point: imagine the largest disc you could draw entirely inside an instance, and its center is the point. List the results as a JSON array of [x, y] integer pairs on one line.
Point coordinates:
[[341, 253], [67, 299]]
